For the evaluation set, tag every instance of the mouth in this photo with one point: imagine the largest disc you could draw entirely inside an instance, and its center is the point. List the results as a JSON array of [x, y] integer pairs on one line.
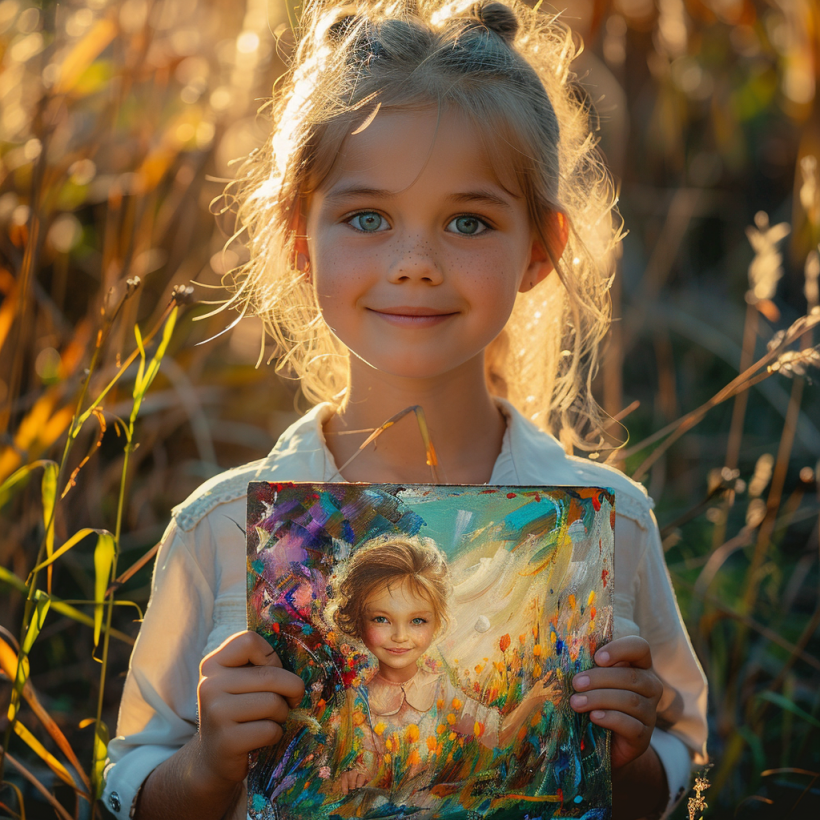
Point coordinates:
[[398, 651], [413, 317]]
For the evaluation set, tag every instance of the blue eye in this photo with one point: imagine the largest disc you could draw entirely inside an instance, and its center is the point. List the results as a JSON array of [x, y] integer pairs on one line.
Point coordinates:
[[368, 222], [468, 225], [380, 619], [419, 621]]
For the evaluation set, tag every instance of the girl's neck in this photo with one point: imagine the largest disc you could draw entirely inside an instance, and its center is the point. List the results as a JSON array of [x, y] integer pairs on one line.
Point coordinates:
[[466, 427], [396, 677]]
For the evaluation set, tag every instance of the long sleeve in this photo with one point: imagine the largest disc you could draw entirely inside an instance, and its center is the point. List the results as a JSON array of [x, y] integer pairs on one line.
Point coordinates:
[[158, 709]]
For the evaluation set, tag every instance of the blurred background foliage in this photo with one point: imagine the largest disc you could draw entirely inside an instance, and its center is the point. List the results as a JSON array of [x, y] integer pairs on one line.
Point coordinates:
[[119, 122]]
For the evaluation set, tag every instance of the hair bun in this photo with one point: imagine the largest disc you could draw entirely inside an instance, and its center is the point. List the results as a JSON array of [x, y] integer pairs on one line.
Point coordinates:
[[498, 18]]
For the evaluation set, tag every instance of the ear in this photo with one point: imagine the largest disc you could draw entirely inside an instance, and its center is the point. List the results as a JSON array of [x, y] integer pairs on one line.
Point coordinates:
[[540, 265]]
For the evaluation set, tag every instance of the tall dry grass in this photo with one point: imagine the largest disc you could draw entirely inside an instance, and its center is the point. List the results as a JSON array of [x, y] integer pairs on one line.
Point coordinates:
[[118, 121]]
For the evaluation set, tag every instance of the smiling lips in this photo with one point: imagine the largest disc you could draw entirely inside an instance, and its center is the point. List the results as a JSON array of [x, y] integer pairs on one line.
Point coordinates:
[[406, 316], [397, 651]]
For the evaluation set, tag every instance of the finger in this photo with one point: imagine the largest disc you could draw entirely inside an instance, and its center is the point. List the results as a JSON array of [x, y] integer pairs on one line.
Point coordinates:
[[263, 679], [240, 650], [625, 677], [631, 730], [633, 650], [619, 700], [244, 738], [361, 780]]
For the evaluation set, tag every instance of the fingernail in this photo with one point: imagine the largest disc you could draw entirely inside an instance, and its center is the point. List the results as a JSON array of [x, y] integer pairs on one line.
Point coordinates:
[[598, 714], [602, 657], [578, 700], [580, 682]]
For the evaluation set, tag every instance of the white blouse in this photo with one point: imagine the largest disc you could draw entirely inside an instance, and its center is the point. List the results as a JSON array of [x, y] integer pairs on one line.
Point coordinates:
[[198, 600]]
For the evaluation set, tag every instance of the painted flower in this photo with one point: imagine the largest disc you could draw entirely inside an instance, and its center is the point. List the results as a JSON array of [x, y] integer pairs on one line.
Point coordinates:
[[478, 729], [440, 729], [324, 772], [504, 643], [358, 718], [440, 704], [414, 758], [457, 704], [522, 638], [451, 719], [379, 728], [412, 733], [536, 671], [432, 743], [536, 650]]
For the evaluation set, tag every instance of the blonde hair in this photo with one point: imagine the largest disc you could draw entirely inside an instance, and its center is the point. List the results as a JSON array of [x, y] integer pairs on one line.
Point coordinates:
[[507, 68], [381, 563]]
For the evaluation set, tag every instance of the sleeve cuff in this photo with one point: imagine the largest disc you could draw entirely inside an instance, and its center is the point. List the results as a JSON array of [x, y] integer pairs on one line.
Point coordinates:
[[677, 764], [124, 778]]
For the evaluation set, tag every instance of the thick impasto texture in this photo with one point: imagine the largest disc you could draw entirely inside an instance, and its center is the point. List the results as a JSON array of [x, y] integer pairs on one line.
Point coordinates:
[[441, 691]]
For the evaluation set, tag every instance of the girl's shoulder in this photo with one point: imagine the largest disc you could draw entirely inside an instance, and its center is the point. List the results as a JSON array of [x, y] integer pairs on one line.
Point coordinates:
[[299, 455], [537, 458]]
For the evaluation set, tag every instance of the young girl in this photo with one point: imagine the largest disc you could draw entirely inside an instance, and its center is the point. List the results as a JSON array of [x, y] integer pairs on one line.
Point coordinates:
[[431, 225], [393, 596]]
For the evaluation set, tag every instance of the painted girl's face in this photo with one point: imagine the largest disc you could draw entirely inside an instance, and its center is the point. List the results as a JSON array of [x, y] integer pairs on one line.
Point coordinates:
[[399, 626], [417, 250]]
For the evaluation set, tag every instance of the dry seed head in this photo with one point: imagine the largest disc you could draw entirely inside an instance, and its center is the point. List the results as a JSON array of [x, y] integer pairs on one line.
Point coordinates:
[[766, 267], [762, 475]]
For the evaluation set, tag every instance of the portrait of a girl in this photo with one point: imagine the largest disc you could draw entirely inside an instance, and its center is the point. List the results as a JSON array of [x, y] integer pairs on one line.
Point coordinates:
[[393, 596]]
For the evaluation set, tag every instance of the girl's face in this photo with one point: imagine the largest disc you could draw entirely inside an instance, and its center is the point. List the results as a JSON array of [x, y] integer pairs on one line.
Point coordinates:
[[399, 626], [416, 249]]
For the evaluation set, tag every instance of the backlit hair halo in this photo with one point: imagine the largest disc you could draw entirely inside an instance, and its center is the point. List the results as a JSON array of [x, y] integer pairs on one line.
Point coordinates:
[[504, 66]]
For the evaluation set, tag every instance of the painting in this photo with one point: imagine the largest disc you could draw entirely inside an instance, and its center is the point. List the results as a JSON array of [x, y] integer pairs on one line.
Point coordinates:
[[437, 630]]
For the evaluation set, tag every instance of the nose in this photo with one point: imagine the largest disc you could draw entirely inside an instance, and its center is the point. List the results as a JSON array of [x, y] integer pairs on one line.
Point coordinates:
[[415, 261], [399, 632]]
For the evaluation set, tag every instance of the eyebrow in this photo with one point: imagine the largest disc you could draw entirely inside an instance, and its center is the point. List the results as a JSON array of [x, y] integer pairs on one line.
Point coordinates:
[[373, 612], [350, 191]]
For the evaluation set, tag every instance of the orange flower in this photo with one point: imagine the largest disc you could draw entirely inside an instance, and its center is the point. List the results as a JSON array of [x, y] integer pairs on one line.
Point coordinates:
[[499, 667], [451, 719], [457, 704], [479, 668], [432, 743], [414, 758], [379, 728], [571, 601], [386, 758], [440, 728], [452, 736], [440, 704], [388, 744], [478, 729], [536, 650], [412, 733], [522, 638], [592, 612], [536, 671], [553, 637], [358, 718], [504, 643]]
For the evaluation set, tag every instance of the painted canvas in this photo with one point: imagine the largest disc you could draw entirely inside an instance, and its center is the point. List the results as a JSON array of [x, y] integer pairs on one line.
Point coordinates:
[[437, 629]]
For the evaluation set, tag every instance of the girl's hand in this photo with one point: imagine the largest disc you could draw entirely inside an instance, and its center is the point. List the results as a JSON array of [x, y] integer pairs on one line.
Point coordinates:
[[244, 695], [351, 780], [621, 694], [546, 689]]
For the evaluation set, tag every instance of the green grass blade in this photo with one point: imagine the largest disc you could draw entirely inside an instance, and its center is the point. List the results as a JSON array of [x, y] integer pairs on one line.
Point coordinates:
[[19, 476], [72, 542], [103, 562], [790, 706]]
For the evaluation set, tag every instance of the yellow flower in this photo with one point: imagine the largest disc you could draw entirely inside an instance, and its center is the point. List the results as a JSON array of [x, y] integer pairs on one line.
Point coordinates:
[[412, 733], [499, 667], [451, 719], [571, 601], [591, 599], [478, 729], [536, 671], [553, 637], [479, 668], [536, 650], [388, 744], [452, 735], [457, 704], [379, 728], [440, 729], [386, 758], [414, 758]]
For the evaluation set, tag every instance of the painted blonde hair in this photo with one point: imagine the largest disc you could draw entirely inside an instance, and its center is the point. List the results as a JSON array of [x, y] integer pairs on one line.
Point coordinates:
[[385, 562], [506, 67]]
